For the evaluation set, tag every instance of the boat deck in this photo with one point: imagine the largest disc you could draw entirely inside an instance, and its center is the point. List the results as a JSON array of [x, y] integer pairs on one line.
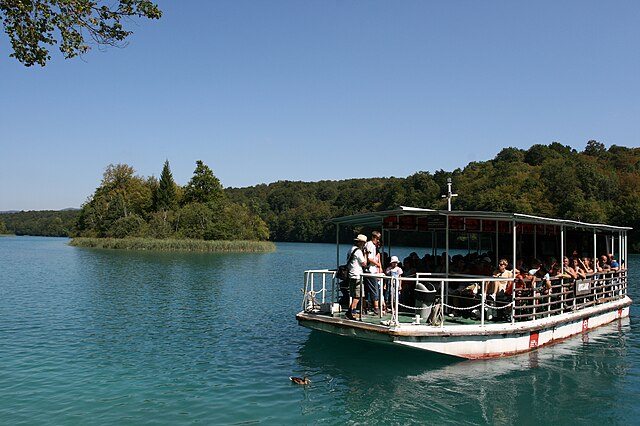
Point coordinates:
[[408, 318]]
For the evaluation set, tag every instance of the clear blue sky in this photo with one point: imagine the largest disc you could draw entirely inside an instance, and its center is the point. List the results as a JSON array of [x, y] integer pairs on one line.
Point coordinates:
[[311, 90]]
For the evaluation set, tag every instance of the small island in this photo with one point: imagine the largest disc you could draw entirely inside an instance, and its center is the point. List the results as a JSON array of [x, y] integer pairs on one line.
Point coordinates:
[[135, 213]]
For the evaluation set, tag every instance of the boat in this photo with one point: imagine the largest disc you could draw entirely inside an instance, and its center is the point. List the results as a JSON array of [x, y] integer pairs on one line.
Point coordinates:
[[453, 312]]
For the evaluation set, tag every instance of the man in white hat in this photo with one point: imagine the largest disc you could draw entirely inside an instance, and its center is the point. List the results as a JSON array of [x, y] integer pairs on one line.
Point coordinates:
[[356, 260]]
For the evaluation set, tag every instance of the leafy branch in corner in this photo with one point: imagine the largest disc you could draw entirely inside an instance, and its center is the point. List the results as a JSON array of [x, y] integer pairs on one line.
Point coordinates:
[[35, 25]]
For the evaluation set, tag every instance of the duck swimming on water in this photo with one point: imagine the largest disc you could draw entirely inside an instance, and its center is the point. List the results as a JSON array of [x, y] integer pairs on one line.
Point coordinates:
[[300, 380]]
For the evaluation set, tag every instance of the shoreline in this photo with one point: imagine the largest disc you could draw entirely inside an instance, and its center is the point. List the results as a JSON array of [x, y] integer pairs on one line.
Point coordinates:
[[168, 245]]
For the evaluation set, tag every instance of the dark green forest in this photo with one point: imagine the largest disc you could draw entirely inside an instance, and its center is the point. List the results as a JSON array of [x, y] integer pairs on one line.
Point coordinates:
[[596, 185], [48, 223]]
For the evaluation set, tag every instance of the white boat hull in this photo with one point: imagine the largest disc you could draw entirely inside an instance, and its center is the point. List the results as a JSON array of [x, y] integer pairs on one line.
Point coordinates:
[[476, 341]]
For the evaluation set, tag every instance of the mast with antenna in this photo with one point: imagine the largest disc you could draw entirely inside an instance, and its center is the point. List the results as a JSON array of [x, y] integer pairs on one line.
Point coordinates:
[[449, 195]]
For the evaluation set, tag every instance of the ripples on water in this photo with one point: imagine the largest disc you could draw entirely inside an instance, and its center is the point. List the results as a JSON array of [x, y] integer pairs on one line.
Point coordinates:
[[114, 337]]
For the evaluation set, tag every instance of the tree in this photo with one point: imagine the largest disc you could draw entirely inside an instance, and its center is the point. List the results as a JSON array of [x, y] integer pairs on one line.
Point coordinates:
[[120, 194], [203, 187], [595, 148], [165, 197], [34, 25]]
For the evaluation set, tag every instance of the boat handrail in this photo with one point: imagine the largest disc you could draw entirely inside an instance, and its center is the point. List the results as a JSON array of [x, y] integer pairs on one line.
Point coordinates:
[[523, 304]]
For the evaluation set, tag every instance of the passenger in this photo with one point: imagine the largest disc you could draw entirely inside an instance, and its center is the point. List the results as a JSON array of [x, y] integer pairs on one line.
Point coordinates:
[[575, 265], [484, 267], [395, 271], [371, 284], [409, 266], [497, 289], [614, 265], [587, 265], [427, 264], [427, 261], [568, 271], [441, 266], [541, 276], [356, 260], [603, 264], [458, 265]]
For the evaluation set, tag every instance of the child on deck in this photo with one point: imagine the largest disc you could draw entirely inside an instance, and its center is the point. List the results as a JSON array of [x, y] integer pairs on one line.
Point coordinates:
[[395, 271]]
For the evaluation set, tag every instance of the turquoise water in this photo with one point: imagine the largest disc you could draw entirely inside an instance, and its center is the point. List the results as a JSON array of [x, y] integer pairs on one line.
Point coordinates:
[[107, 337]]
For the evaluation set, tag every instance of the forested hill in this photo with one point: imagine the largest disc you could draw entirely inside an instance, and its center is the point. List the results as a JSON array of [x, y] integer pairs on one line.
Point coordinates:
[[48, 223], [596, 185]]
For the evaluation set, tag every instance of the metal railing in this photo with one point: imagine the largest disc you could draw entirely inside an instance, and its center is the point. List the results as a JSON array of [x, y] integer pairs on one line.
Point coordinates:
[[527, 301]]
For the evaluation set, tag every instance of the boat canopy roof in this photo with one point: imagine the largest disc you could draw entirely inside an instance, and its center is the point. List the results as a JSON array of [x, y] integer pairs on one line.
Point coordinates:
[[376, 219]]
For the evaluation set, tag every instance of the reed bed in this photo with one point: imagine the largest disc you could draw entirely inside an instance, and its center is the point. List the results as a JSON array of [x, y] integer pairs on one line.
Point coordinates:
[[175, 245]]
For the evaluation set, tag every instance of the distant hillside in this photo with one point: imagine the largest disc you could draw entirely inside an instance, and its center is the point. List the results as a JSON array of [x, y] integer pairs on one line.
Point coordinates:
[[595, 185], [48, 223]]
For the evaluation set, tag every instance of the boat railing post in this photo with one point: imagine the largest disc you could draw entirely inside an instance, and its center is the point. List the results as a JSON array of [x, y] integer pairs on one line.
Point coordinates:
[[563, 297], [392, 299], [304, 292], [380, 296], [534, 301], [396, 292], [482, 300], [360, 284], [324, 287], [442, 303], [313, 291], [513, 301]]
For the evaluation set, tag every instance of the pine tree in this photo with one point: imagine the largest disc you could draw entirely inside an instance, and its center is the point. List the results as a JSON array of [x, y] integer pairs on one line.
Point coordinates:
[[166, 196]]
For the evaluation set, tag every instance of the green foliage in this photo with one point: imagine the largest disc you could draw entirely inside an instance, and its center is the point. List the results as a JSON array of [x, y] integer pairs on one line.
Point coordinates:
[[203, 187], [33, 26], [165, 195], [129, 226], [121, 194], [595, 148], [549, 180], [126, 205], [47, 223], [552, 181], [3, 228]]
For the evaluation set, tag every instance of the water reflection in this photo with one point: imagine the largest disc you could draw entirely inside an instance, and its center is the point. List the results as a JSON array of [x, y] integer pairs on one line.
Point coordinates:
[[418, 386]]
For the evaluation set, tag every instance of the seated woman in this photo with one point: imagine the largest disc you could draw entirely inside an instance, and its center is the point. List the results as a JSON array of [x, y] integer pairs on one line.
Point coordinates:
[[498, 288]]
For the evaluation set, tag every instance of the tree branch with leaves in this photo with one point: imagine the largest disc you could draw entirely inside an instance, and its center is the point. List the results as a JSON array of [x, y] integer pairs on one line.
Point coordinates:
[[35, 25]]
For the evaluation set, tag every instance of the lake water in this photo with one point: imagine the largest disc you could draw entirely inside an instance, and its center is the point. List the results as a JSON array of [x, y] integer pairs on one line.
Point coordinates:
[[108, 337]]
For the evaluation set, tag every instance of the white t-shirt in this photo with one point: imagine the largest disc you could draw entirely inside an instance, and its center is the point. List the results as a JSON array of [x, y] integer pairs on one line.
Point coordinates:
[[372, 252], [354, 263]]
